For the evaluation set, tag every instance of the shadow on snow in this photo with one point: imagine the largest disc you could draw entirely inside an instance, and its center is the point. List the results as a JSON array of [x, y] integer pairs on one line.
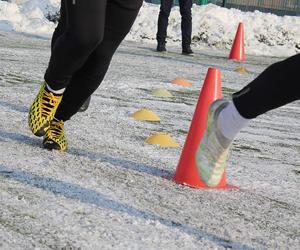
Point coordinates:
[[88, 196]]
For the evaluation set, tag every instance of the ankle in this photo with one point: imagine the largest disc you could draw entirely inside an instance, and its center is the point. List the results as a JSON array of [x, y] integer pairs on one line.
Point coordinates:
[[230, 122], [57, 92]]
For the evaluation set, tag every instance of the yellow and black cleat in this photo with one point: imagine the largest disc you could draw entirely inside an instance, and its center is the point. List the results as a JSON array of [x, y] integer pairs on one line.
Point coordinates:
[[55, 136], [43, 110]]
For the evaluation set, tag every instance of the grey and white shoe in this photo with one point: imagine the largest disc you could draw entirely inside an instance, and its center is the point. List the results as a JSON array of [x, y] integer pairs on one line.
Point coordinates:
[[212, 154]]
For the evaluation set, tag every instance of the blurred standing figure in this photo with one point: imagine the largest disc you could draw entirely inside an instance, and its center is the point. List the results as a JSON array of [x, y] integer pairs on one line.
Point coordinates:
[[186, 25]]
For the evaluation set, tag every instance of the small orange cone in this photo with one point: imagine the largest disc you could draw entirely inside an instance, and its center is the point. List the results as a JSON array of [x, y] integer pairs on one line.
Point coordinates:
[[181, 82], [238, 51], [187, 172]]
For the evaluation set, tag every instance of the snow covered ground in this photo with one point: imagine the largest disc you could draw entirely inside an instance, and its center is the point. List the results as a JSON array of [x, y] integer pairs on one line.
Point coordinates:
[[213, 26], [109, 190]]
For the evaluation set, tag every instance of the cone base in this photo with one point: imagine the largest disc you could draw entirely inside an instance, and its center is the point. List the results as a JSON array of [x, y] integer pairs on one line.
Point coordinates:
[[202, 185]]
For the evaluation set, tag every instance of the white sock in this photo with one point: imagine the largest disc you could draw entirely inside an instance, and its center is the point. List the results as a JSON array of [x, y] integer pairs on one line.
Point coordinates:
[[58, 92], [230, 122]]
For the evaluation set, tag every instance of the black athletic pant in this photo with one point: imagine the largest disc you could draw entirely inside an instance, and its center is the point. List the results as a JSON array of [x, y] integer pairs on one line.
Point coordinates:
[[186, 21], [88, 34], [278, 85]]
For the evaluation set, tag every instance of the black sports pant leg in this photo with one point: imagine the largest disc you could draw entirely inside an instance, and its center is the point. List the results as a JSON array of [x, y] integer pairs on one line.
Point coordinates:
[[186, 21], [278, 85], [163, 20], [84, 30], [61, 27], [120, 15]]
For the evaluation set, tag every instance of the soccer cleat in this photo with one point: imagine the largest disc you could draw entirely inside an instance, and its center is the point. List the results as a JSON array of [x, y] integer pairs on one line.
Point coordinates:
[[42, 110], [212, 154], [55, 136]]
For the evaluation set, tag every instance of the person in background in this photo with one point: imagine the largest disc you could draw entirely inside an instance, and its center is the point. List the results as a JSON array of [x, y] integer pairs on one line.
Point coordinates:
[[276, 86], [186, 25]]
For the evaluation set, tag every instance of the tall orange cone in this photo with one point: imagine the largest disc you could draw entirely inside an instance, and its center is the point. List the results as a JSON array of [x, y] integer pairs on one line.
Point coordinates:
[[238, 51], [186, 172]]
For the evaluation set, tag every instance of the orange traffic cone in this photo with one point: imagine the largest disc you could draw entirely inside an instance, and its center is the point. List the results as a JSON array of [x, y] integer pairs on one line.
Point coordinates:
[[238, 51], [186, 172]]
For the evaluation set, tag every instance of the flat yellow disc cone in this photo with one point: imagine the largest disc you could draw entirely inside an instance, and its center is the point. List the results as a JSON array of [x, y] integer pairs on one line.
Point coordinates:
[[181, 81], [145, 115], [241, 70], [163, 140], [161, 92]]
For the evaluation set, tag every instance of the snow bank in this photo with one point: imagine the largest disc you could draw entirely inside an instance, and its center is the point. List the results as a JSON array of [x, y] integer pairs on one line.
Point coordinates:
[[28, 16], [265, 34]]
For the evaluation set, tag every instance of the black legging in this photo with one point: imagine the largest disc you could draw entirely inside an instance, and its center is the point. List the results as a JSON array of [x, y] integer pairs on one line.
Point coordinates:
[[88, 34], [278, 85]]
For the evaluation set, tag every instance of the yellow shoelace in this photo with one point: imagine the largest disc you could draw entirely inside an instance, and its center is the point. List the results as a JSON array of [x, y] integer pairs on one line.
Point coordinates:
[[49, 100], [56, 129]]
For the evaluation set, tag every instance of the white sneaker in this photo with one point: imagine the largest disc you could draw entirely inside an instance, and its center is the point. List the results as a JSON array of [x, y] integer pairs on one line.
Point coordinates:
[[212, 154]]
